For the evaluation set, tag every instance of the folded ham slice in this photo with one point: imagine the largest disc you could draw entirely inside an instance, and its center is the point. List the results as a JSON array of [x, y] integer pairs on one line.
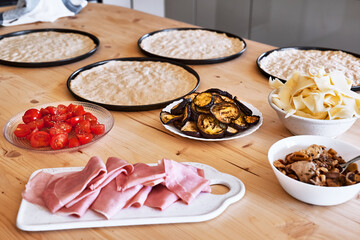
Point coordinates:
[[110, 201], [139, 199], [143, 174], [64, 189], [160, 197], [184, 183]]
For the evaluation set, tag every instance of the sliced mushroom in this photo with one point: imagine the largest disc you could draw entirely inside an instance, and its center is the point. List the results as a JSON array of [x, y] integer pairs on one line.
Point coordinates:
[[305, 170]]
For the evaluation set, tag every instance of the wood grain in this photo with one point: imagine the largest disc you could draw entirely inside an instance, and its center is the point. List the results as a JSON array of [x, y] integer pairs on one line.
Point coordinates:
[[266, 211]]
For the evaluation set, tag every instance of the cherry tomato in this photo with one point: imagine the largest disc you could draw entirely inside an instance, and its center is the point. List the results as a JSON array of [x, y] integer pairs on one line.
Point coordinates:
[[31, 115], [38, 123], [84, 138], [40, 139], [91, 118], [64, 126], [48, 122], [59, 117], [59, 141], [28, 137], [62, 109], [22, 130], [83, 127], [75, 120], [97, 129], [52, 110], [44, 111], [55, 131], [74, 142], [78, 110]]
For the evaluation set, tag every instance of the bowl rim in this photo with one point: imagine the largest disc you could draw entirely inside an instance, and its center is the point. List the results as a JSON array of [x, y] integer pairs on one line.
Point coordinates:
[[297, 181], [323, 121]]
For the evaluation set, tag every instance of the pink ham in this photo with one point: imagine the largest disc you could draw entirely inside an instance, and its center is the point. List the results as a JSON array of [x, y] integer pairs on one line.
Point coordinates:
[[114, 167], [64, 189], [80, 207], [35, 187], [160, 197], [139, 199], [110, 201], [184, 183], [143, 174]]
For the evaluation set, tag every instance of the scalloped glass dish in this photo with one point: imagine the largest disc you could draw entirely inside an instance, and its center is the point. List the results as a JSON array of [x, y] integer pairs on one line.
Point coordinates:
[[103, 116], [244, 133]]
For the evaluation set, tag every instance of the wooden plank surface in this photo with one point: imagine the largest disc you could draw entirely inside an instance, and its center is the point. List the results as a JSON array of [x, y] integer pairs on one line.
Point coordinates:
[[266, 211]]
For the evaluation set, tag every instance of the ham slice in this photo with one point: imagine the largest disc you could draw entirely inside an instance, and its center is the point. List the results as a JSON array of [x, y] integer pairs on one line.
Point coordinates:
[[64, 189], [160, 197], [110, 201], [143, 174], [184, 183], [35, 188], [139, 199]]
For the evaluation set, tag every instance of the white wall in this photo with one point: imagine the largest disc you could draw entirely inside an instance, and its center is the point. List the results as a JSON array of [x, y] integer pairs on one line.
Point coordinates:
[[155, 7]]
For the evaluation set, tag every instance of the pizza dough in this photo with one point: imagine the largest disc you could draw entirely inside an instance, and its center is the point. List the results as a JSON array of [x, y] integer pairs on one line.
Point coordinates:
[[192, 44], [46, 46], [133, 83]]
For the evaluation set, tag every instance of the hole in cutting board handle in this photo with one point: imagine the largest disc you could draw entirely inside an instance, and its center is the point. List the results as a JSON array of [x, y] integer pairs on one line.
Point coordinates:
[[219, 189]]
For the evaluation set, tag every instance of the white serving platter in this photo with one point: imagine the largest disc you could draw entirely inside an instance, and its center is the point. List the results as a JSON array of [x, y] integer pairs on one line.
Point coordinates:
[[206, 206]]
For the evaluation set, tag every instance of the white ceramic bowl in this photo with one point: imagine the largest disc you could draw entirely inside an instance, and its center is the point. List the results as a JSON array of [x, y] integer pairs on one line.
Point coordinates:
[[317, 195], [306, 126]]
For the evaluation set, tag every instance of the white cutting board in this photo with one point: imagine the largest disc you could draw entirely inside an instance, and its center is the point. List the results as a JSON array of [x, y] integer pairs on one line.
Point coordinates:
[[204, 207]]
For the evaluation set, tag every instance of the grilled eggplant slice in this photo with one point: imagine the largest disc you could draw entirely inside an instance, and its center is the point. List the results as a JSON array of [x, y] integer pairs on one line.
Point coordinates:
[[186, 115], [239, 123], [204, 100], [247, 111], [179, 108], [210, 127], [191, 96], [190, 128], [167, 117], [220, 92], [225, 112], [230, 131], [252, 120]]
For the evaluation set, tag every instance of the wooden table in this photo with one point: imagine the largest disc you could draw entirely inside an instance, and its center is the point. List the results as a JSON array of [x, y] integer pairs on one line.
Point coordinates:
[[265, 212]]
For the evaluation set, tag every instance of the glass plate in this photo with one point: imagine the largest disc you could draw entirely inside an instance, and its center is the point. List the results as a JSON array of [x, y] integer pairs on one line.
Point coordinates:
[[103, 116], [244, 133]]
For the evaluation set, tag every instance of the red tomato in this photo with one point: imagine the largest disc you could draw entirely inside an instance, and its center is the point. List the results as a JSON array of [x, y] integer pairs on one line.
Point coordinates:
[[38, 123], [85, 138], [75, 120], [83, 127], [55, 131], [31, 115], [91, 118], [59, 141], [40, 139], [59, 117], [22, 130], [74, 142], [48, 122], [78, 110], [64, 126], [44, 112], [62, 109], [97, 129], [52, 110], [28, 137]]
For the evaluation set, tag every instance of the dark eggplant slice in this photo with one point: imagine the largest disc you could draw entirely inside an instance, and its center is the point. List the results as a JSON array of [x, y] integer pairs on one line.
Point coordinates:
[[191, 96], [239, 123], [194, 113], [230, 131], [217, 98], [179, 108], [219, 91], [186, 114], [167, 117], [204, 99], [210, 127], [247, 111], [225, 112], [190, 128], [252, 120]]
